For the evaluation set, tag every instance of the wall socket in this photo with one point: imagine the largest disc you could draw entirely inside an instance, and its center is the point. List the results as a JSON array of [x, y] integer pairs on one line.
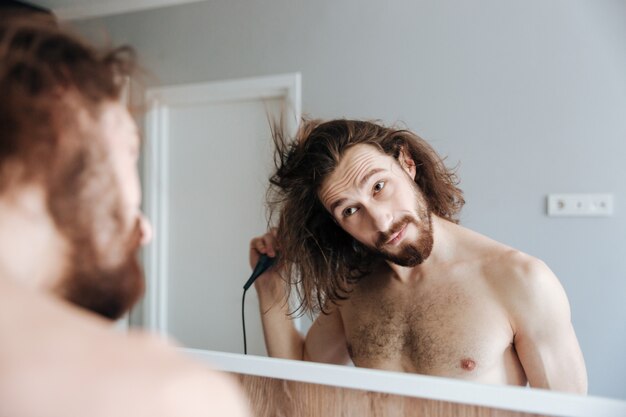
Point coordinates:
[[580, 205]]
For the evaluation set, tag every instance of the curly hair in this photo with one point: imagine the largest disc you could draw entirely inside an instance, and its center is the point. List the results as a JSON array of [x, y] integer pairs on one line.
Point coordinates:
[[46, 75], [318, 257]]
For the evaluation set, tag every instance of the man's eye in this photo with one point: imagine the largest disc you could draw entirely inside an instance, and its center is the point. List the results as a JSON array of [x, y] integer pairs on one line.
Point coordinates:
[[379, 186], [349, 211]]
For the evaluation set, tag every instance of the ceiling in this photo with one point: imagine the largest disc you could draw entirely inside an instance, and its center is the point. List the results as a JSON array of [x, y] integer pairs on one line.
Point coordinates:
[[84, 9]]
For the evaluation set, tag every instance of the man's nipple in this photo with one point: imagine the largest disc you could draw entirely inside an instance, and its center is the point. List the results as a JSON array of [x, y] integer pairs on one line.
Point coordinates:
[[468, 364]]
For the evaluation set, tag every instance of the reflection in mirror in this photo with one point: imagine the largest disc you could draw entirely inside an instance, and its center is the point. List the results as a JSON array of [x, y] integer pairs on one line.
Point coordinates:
[[528, 97], [368, 228]]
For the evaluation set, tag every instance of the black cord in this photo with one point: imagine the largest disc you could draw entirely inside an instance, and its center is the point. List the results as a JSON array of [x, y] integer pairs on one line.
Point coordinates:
[[243, 322], [262, 264]]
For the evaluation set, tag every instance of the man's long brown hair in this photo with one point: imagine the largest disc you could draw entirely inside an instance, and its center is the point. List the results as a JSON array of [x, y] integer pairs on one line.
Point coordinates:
[[317, 256], [46, 75], [53, 86]]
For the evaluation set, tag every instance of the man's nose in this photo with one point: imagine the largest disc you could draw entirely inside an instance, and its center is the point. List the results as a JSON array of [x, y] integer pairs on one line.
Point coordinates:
[[145, 229], [381, 218]]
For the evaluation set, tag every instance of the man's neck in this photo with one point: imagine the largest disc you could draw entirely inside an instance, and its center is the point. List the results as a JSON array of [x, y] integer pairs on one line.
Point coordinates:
[[442, 251], [32, 250]]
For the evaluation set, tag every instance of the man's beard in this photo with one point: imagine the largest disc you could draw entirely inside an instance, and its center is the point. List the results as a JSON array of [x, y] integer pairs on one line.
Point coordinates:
[[410, 253], [106, 290], [103, 273]]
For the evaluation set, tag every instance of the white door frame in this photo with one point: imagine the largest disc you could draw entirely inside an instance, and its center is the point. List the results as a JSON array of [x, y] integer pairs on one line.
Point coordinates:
[[155, 176]]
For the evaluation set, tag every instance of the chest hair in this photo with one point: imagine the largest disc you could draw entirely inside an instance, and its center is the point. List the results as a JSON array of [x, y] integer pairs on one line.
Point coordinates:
[[426, 328]]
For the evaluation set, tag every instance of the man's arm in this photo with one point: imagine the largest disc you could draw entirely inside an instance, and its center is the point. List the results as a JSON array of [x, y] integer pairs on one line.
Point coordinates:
[[544, 336], [325, 341]]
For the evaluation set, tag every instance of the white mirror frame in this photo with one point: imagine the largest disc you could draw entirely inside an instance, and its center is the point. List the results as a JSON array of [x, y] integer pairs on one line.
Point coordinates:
[[520, 399]]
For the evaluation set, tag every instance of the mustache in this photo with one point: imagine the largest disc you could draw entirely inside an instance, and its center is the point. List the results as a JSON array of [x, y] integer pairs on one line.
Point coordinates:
[[383, 237]]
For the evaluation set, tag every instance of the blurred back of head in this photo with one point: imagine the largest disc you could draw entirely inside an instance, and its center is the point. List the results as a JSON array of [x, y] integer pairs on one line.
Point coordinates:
[[54, 88], [11, 9], [47, 76]]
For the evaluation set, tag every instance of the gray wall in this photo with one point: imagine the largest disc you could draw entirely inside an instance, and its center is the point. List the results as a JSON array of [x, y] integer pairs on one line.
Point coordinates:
[[529, 96]]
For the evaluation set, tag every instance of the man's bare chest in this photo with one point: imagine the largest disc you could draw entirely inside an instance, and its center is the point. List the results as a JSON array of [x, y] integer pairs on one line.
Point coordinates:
[[449, 330]]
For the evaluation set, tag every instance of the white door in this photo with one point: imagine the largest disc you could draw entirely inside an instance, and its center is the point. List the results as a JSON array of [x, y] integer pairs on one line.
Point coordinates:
[[215, 162]]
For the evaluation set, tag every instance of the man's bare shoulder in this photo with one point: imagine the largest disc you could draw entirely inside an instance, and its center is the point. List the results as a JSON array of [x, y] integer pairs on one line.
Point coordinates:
[[500, 261], [55, 348], [516, 278], [183, 387], [518, 271], [524, 284], [515, 267]]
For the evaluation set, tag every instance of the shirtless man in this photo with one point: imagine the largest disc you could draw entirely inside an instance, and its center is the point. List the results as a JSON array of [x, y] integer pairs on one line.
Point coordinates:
[[368, 234], [70, 229]]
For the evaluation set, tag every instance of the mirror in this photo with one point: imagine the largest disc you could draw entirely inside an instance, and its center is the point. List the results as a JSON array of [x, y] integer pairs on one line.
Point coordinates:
[[529, 97]]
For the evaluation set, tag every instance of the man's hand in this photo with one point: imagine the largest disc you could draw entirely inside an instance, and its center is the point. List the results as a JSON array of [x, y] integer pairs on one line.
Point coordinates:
[[325, 342], [282, 340], [266, 244]]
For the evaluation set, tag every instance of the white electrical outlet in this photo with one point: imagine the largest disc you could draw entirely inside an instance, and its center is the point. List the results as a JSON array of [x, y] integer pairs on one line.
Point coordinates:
[[580, 205]]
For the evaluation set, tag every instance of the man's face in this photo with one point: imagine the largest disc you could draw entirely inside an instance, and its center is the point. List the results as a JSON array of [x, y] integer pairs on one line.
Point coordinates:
[[375, 199], [106, 227]]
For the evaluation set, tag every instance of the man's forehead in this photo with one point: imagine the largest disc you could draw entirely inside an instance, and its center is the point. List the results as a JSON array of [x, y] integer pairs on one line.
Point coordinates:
[[355, 165]]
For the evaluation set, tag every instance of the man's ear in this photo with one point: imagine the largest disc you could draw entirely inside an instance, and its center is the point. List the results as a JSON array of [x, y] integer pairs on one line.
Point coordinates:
[[406, 162]]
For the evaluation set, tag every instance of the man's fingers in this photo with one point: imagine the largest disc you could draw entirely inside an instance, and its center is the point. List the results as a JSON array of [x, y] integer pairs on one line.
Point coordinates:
[[265, 244], [259, 245], [268, 245], [271, 238]]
